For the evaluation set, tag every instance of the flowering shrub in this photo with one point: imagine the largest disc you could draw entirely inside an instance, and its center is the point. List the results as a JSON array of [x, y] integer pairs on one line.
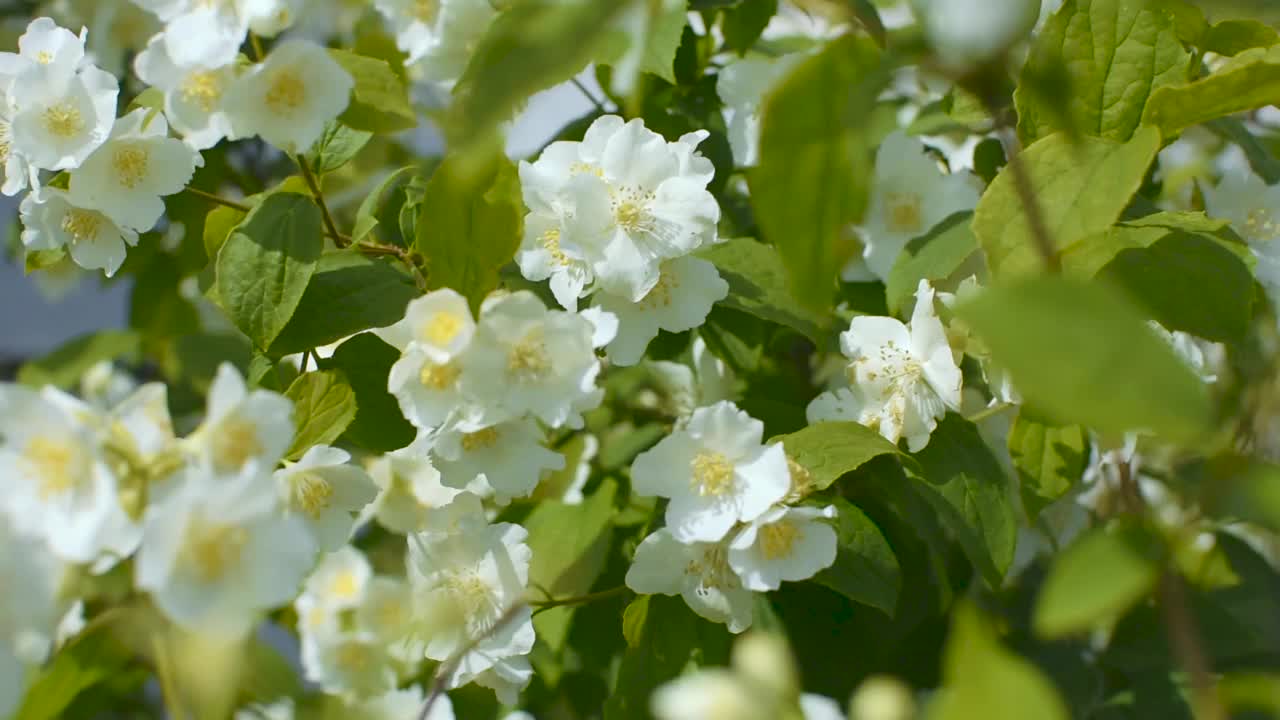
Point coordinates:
[[848, 359]]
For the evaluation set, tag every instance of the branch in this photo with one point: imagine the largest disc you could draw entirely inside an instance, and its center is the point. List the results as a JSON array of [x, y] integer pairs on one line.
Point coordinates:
[[339, 239], [542, 605], [1184, 637], [446, 669]]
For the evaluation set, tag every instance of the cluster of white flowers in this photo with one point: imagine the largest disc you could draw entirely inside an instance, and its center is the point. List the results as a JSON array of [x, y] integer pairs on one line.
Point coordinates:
[[617, 216], [437, 36], [729, 530]]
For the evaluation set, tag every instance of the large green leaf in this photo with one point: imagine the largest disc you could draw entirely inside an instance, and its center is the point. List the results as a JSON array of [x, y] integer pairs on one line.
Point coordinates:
[[1083, 354], [758, 285], [985, 681], [378, 424], [379, 100], [265, 265], [90, 658], [964, 483], [933, 256], [1235, 35], [1115, 53], [323, 406], [662, 636], [828, 450], [382, 205], [1050, 460], [812, 178], [1247, 81], [336, 146], [1081, 186], [866, 570], [349, 293], [1095, 580], [525, 50]]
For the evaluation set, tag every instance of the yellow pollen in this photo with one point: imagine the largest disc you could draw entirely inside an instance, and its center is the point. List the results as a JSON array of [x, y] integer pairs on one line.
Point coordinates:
[[777, 539], [354, 656], [439, 377], [660, 295], [344, 585], [313, 493], [63, 120], [53, 462], [904, 212], [6, 142], [551, 241], [202, 89], [580, 167], [480, 439], [801, 480], [44, 57], [81, 225], [474, 601], [287, 92], [424, 10], [712, 473], [528, 359], [631, 216], [130, 163], [442, 328], [1259, 225], [214, 549], [235, 442]]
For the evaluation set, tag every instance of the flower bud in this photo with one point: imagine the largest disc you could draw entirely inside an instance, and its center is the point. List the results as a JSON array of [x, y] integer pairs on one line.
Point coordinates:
[[881, 697], [764, 661]]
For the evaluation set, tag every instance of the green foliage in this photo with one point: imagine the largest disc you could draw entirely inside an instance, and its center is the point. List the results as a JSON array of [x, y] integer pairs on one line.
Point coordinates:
[[866, 569], [336, 147], [662, 637], [90, 658], [934, 256], [1248, 81], [1115, 53], [815, 164], [470, 223], [1081, 186], [266, 263], [323, 406], [758, 285], [828, 450], [1083, 354], [380, 210], [379, 100], [1049, 460], [366, 362], [1096, 579]]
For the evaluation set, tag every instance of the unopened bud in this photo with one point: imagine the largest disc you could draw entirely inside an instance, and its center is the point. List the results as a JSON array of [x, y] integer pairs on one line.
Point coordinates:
[[764, 660], [881, 697]]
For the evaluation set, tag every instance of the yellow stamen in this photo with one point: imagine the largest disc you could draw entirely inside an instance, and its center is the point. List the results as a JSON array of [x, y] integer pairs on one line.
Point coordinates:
[[213, 549], [480, 439], [313, 493], [53, 461], [202, 89], [442, 328], [712, 473], [286, 93], [777, 539], [131, 164], [439, 377], [63, 120], [82, 225]]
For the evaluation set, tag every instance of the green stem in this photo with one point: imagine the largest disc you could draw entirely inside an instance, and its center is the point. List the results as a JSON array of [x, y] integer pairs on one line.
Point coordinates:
[[987, 412], [218, 200], [339, 239], [587, 94], [580, 599]]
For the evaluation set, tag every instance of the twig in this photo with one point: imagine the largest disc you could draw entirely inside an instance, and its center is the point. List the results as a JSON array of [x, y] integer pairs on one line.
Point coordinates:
[[587, 94], [1034, 213], [307, 175], [990, 411], [218, 200], [446, 669], [1184, 637], [542, 605]]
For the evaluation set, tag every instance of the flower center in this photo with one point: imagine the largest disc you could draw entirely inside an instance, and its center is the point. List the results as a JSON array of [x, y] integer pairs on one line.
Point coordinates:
[[438, 377], [551, 241], [778, 539], [442, 328], [354, 656], [44, 57], [712, 473], [63, 120], [312, 493], [528, 360], [480, 439], [660, 295], [81, 225], [287, 92], [475, 600], [579, 168], [202, 89], [235, 442], [130, 163], [213, 549], [904, 215], [345, 585], [53, 462], [712, 570], [1260, 226], [896, 372]]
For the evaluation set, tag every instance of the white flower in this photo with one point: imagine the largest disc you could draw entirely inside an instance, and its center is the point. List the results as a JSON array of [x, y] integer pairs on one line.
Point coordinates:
[[355, 662], [326, 492], [282, 709], [58, 485], [510, 456], [1248, 203], [29, 609], [386, 611], [242, 426], [126, 176], [287, 99], [611, 208], [53, 51], [742, 85], [465, 580], [398, 705], [51, 221], [409, 485], [507, 677], [439, 323], [201, 33], [193, 94], [338, 584], [437, 35], [18, 173], [268, 18], [429, 392], [216, 551], [790, 544], [699, 572], [818, 707], [527, 359], [717, 472], [901, 380], [687, 288], [909, 196], [60, 119], [713, 694]]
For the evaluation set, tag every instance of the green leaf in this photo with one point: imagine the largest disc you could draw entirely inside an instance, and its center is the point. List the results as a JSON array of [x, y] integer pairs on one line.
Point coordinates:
[[985, 681], [336, 146], [1260, 157], [91, 658], [323, 406], [469, 223], [1250, 494], [265, 265], [758, 286], [964, 483], [379, 100], [866, 570], [268, 676], [524, 51], [374, 208], [1234, 36], [934, 256], [1248, 81], [664, 644], [366, 362], [663, 38], [828, 450], [814, 167], [65, 366], [349, 293], [1115, 53], [1082, 187], [1050, 460], [743, 24], [218, 225], [1095, 580], [1084, 354]]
